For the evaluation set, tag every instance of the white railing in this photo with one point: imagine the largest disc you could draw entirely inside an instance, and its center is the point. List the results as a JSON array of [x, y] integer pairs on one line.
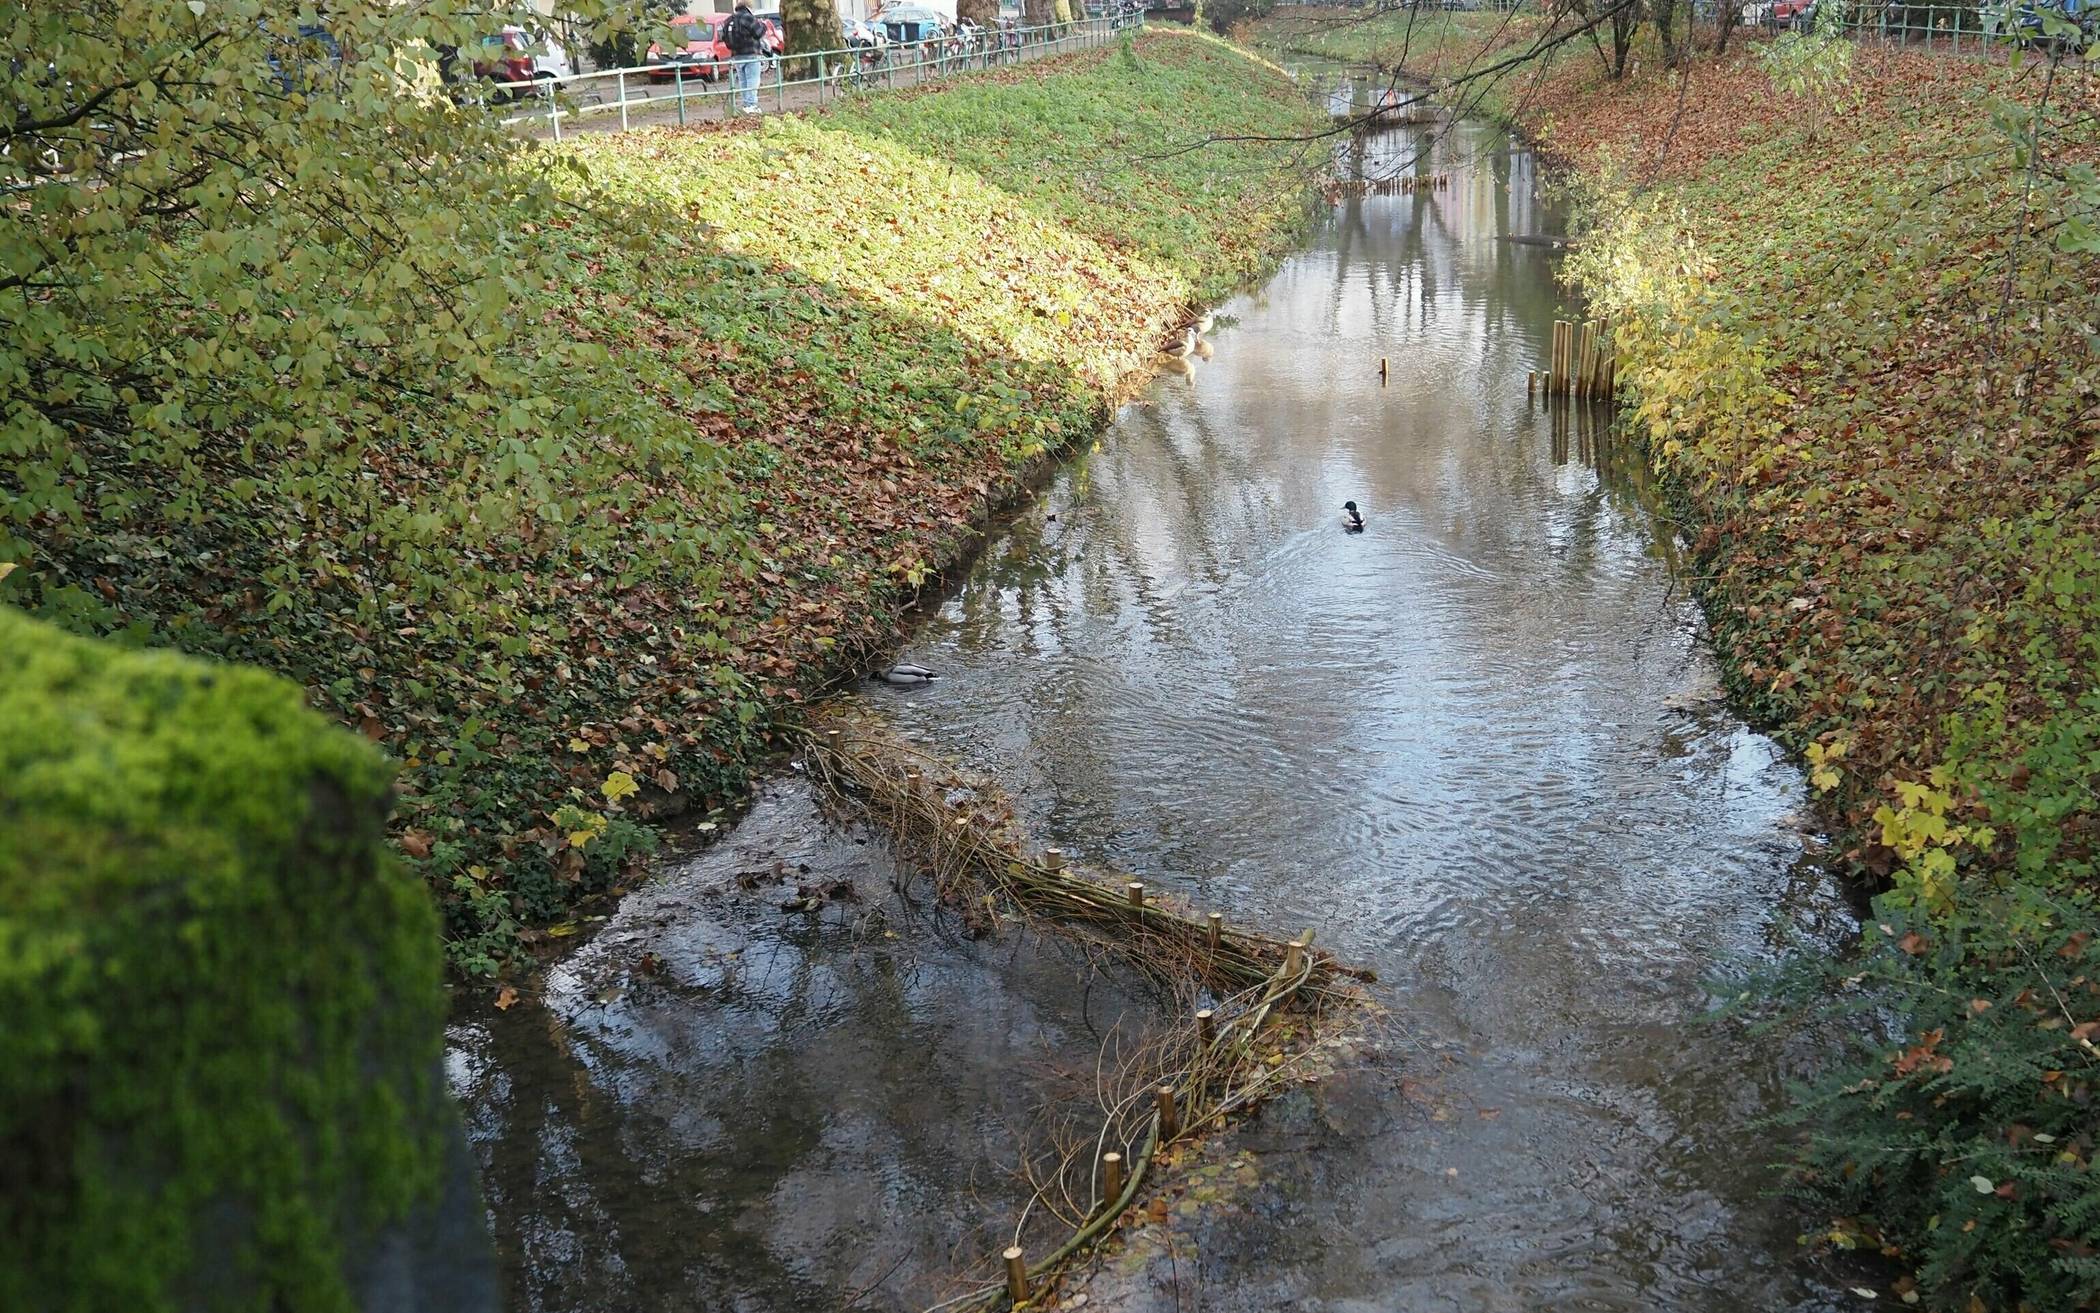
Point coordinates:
[[677, 93]]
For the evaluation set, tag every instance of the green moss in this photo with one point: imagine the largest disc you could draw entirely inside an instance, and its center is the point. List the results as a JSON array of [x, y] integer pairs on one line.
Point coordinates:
[[219, 1068]]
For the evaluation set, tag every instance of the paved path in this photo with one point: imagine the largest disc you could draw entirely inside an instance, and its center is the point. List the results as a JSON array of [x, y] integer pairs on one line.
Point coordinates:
[[591, 101]]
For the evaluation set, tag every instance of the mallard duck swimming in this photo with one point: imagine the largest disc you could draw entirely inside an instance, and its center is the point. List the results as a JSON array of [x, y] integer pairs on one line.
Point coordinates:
[[1351, 521], [906, 673]]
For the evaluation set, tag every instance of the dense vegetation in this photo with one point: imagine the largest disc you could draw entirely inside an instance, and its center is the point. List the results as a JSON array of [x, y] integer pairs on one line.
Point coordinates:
[[219, 1073], [1854, 296], [562, 474]]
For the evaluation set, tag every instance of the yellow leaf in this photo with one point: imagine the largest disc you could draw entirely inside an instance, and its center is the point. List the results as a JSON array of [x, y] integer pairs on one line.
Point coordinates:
[[619, 785], [562, 931], [578, 745]]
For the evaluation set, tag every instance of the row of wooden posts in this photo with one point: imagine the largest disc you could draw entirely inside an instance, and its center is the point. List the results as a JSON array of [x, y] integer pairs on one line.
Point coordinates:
[[1582, 363], [1017, 1287]]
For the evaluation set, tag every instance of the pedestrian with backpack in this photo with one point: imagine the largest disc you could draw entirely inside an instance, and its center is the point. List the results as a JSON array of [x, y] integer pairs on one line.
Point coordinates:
[[746, 37]]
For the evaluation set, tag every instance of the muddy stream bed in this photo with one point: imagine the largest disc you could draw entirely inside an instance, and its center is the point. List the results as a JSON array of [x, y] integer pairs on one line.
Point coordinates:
[[1479, 747]]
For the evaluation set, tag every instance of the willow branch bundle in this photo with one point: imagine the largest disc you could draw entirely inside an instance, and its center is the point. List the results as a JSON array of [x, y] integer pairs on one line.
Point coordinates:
[[963, 832], [1207, 1067]]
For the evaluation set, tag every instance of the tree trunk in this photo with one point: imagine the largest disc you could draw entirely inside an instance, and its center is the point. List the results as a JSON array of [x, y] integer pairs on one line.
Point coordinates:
[[1665, 28], [1036, 13], [1731, 13], [1624, 21], [984, 13], [810, 25]]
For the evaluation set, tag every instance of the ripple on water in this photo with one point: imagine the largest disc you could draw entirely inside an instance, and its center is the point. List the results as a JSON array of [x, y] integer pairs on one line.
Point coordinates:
[[1456, 743]]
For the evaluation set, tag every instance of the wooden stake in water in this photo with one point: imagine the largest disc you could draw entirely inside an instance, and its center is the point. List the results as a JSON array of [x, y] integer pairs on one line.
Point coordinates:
[[1016, 1275], [1135, 891], [1169, 1115], [1111, 1177], [1054, 859], [1206, 1026], [1217, 930]]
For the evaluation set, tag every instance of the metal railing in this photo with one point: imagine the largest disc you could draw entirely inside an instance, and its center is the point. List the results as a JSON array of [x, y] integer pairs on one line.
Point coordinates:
[[1955, 26], [698, 90]]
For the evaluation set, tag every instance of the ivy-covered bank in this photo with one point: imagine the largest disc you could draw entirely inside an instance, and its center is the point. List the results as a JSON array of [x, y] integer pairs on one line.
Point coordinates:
[[219, 1077], [1854, 293], [627, 446]]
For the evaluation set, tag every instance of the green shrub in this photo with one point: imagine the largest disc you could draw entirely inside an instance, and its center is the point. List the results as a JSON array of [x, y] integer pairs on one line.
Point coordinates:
[[1960, 1139], [219, 1065]]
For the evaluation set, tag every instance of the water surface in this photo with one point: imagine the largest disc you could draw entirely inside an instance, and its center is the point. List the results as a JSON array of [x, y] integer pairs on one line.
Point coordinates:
[[1478, 746]]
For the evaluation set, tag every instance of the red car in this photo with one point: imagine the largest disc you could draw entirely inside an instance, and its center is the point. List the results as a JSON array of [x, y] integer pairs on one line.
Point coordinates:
[[1787, 13], [698, 49]]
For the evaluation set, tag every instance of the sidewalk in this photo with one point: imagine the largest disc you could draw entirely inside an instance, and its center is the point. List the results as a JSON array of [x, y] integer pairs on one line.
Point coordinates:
[[591, 102]]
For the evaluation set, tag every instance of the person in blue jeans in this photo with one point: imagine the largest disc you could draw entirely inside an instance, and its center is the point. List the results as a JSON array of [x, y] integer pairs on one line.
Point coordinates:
[[746, 37]]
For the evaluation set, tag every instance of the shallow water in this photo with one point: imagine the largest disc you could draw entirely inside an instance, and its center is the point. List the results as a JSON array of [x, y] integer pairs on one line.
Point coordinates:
[[720, 1102], [1478, 747]]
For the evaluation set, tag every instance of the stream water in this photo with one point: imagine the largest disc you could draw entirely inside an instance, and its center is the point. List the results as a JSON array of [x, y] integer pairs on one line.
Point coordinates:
[[1478, 746]]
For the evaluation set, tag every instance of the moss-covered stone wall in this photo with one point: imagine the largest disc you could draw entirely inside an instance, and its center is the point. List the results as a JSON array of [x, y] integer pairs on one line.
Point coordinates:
[[220, 1003]]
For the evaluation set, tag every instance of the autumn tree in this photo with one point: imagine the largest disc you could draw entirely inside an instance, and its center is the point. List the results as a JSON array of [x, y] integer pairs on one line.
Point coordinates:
[[250, 264], [985, 13]]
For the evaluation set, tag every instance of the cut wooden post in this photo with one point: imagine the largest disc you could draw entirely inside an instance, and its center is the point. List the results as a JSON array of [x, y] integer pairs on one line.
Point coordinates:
[[1016, 1275], [1054, 859], [1206, 1025], [1381, 369], [1135, 890], [1111, 1178], [1169, 1116], [1217, 930], [1531, 384], [1294, 956]]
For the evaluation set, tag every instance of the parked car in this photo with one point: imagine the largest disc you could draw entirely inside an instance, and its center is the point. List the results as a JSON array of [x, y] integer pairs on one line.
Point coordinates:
[[697, 49], [860, 35], [1790, 13], [776, 31], [542, 56], [908, 23]]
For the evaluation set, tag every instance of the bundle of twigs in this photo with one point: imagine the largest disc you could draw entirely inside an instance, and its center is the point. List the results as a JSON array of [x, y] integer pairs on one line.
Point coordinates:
[[1222, 1058], [962, 831]]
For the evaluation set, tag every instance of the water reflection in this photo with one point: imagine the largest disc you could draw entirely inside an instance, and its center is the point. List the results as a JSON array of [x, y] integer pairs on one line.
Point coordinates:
[[730, 1099], [1478, 745]]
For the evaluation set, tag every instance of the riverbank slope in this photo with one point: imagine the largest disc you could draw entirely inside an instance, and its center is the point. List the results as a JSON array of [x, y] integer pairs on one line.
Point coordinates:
[[772, 378], [1853, 308]]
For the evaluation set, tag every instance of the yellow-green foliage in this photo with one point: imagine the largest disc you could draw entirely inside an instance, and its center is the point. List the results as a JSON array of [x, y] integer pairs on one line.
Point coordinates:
[[218, 1064]]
